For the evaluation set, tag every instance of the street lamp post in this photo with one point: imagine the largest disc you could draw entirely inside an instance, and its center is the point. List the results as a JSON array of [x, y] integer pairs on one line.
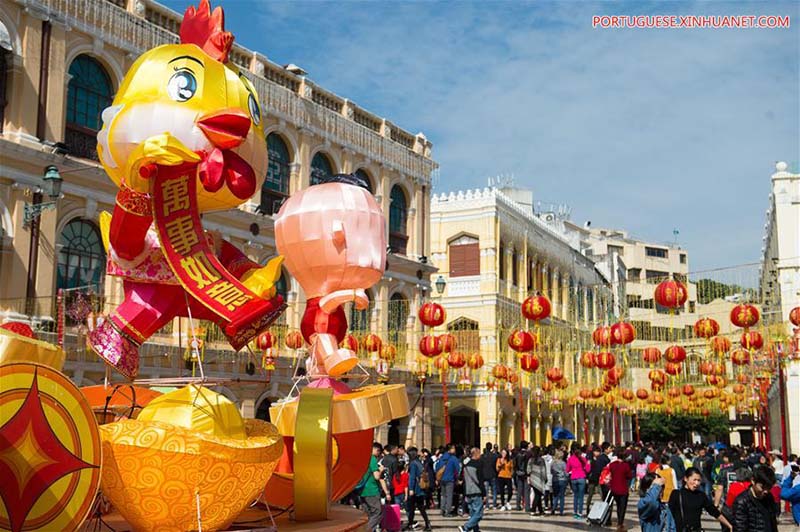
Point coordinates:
[[33, 212], [440, 285]]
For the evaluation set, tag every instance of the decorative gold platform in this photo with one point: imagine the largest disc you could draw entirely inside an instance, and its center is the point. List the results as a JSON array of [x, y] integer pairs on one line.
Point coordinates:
[[342, 519]]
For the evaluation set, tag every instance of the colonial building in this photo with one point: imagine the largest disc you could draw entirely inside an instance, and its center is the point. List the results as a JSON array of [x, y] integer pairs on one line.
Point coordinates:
[[61, 62], [493, 251], [780, 289]]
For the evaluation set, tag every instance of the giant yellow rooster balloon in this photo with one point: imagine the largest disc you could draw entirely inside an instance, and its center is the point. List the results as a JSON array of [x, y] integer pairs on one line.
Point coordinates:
[[182, 137]]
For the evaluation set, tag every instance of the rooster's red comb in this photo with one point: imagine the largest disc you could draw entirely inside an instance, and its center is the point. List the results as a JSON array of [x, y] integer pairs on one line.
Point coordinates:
[[207, 30]]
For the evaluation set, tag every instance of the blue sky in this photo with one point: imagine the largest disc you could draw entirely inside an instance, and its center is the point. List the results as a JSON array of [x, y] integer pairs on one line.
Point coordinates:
[[642, 129]]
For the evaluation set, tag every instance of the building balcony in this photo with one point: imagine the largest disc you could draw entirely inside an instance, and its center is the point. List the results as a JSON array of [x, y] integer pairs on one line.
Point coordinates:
[[398, 242], [81, 142]]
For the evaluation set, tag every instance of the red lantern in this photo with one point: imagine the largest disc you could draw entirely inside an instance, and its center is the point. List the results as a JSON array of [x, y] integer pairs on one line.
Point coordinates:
[[294, 340], [529, 363], [622, 333], [714, 380], [752, 340], [688, 390], [602, 336], [744, 315], [536, 308], [742, 378], [563, 384], [441, 364], [674, 392], [457, 360], [587, 359], [554, 374], [671, 294], [615, 375], [657, 376], [720, 345], [500, 372], [430, 346], [657, 399], [794, 316], [706, 368], [448, 342], [604, 360], [740, 357], [738, 388], [627, 395], [675, 354], [719, 369], [388, 352], [432, 314], [265, 340], [475, 361], [706, 328], [705, 412], [512, 378], [651, 355], [642, 394], [372, 343], [350, 342], [585, 393], [672, 368], [521, 341], [597, 393], [547, 386]]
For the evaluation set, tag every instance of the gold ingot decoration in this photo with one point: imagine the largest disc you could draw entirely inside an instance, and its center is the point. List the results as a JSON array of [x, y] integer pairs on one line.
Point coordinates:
[[188, 454], [17, 348]]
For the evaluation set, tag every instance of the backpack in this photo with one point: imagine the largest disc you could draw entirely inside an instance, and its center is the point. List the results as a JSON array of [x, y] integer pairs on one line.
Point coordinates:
[[440, 472], [424, 481]]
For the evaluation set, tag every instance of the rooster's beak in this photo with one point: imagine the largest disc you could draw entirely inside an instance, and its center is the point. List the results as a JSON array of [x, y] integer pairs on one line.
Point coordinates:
[[226, 129]]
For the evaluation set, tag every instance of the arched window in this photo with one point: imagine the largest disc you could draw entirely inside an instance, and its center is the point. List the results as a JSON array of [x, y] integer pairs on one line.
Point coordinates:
[[398, 216], [365, 176], [321, 167], [81, 257], [88, 93], [276, 185], [6, 54], [397, 322]]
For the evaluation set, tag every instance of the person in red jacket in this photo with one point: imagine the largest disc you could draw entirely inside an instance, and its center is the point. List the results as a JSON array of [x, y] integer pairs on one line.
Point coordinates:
[[621, 475]]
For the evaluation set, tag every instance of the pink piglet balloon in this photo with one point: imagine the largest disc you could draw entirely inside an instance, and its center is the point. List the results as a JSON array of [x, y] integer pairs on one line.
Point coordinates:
[[332, 236]]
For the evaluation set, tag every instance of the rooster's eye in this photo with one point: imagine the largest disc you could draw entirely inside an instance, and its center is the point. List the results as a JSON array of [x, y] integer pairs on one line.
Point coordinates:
[[182, 86], [255, 112]]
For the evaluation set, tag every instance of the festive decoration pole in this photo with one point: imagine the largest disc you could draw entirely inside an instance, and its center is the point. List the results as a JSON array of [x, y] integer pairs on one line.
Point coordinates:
[[445, 409], [781, 399]]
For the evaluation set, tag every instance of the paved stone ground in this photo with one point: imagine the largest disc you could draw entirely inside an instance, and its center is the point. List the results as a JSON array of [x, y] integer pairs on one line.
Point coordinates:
[[500, 521]]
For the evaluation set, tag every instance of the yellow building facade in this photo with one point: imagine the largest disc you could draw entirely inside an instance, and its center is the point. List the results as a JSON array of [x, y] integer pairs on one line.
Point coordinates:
[[62, 62], [492, 251]]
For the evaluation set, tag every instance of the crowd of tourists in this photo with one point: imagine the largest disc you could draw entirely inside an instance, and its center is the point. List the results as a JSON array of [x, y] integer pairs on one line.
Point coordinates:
[[740, 487]]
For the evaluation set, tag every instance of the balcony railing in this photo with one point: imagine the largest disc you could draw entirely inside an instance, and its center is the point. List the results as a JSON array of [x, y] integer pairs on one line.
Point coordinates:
[[398, 242], [81, 142]]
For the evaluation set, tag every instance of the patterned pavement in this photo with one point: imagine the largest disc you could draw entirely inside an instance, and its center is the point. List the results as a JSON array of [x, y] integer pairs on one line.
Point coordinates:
[[501, 521]]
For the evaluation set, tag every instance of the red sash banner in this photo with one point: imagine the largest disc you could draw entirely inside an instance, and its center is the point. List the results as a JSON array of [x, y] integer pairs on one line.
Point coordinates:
[[242, 314]]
